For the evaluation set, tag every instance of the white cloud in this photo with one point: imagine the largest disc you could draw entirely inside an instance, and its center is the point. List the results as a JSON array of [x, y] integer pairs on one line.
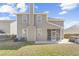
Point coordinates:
[[5, 18], [63, 12], [10, 4], [46, 12], [65, 7], [12, 15], [36, 7], [7, 8], [23, 7]]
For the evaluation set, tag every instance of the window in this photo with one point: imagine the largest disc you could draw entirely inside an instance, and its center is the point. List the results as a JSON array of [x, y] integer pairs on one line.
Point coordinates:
[[25, 20], [39, 19]]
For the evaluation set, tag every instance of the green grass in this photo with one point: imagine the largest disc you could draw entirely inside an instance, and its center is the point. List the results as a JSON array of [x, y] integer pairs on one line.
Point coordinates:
[[25, 49]]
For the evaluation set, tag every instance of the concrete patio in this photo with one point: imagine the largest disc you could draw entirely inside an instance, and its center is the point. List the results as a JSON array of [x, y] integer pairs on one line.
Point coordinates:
[[65, 41]]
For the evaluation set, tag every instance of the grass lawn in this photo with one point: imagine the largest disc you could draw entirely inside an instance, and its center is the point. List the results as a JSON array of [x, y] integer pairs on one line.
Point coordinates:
[[24, 49]]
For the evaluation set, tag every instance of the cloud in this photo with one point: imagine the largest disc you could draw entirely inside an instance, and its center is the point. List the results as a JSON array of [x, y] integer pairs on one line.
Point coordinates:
[[11, 9], [5, 18], [7, 9], [68, 6], [9, 17], [22, 6], [36, 7], [63, 12], [65, 7], [46, 12], [11, 4]]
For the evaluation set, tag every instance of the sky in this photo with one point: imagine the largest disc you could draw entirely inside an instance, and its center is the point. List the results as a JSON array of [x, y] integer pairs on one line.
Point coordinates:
[[69, 12]]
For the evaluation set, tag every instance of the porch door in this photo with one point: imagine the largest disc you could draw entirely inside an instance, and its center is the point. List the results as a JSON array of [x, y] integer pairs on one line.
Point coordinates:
[[53, 35]]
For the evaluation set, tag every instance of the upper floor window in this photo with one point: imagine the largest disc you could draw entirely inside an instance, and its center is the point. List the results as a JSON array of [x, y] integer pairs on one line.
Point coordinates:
[[25, 20], [39, 19]]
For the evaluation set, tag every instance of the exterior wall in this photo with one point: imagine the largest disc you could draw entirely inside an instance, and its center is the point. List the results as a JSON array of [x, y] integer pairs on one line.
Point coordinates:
[[19, 26], [31, 29], [40, 20], [25, 23], [25, 27], [13, 28], [31, 33], [44, 34], [34, 27], [41, 27], [5, 26], [31, 19]]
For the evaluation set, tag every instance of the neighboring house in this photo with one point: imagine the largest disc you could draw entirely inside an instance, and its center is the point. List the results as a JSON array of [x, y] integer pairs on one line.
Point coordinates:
[[38, 27], [5, 26], [35, 27]]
